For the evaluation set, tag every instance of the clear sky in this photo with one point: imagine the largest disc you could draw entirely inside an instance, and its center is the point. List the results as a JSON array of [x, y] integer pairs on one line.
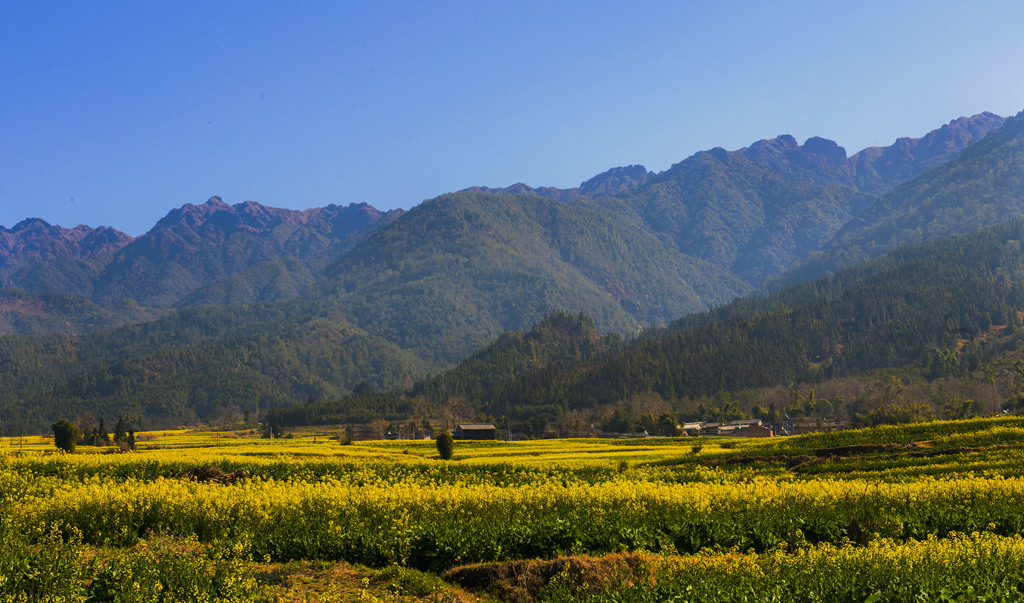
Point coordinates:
[[113, 113]]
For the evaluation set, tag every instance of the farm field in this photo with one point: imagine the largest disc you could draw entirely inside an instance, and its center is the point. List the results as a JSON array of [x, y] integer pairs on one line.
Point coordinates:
[[931, 511]]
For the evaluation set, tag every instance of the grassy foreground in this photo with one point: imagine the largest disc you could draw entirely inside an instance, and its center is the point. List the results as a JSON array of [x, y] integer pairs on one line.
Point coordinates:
[[930, 510]]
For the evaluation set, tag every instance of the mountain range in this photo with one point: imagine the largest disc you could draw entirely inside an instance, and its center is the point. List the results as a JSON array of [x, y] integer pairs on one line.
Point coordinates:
[[944, 316], [300, 304]]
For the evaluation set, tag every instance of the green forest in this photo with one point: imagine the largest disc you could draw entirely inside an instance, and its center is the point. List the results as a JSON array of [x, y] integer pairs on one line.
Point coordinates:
[[529, 311], [942, 313]]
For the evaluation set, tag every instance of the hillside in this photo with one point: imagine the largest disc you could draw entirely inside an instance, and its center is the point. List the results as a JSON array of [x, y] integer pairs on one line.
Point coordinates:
[[315, 303], [982, 187], [192, 247], [43, 313], [417, 296], [909, 308], [457, 270], [937, 312], [874, 170], [757, 210], [197, 364], [739, 215]]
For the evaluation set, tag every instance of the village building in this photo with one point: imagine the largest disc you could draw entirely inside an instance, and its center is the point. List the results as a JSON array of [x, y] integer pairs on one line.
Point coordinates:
[[476, 432]]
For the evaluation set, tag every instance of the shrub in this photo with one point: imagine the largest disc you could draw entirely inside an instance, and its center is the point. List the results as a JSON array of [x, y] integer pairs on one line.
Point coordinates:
[[65, 434], [445, 444]]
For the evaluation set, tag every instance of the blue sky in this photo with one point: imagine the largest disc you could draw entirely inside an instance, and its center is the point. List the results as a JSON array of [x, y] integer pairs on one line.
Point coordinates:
[[113, 113]]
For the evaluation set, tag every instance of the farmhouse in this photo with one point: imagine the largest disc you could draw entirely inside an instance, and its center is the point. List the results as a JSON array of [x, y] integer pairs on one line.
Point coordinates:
[[749, 428], [759, 431], [476, 432]]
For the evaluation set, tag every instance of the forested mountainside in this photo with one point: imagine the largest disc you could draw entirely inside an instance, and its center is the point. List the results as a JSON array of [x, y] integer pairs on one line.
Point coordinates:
[[192, 246], [386, 298], [947, 310], [196, 364], [756, 211], [982, 187], [415, 297], [739, 215], [45, 313], [457, 270]]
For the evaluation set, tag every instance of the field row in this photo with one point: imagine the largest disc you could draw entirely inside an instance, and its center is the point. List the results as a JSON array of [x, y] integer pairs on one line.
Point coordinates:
[[436, 527], [976, 567]]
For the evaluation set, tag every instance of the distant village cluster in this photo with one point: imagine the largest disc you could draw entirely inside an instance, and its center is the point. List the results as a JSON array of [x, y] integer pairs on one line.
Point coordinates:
[[747, 428]]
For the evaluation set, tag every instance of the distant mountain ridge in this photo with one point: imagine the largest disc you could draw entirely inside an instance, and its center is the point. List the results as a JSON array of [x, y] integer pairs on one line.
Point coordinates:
[[818, 161], [606, 184], [982, 187], [909, 157], [197, 244], [874, 170], [34, 237], [310, 303], [192, 246], [752, 212], [758, 210]]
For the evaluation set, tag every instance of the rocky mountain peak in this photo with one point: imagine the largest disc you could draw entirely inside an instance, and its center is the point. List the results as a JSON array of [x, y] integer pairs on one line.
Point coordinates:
[[825, 148], [614, 181], [763, 148], [35, 237]]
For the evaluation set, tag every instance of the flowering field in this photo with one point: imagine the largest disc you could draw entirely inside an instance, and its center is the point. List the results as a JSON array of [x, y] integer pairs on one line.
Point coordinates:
[[862, 515]]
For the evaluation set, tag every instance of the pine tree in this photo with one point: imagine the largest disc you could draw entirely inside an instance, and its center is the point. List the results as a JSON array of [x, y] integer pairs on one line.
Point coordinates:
[[102, 437], [120, 434]]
